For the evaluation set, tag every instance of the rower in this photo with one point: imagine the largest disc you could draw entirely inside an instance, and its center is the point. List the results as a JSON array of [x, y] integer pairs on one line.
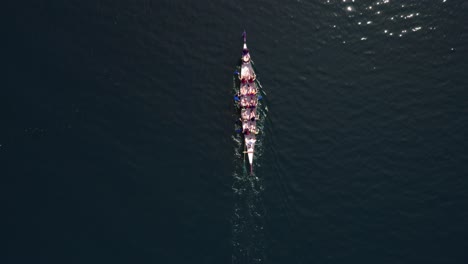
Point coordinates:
[[252, 116], [245, 115], [243, 90], [252, 90], [243, 102]]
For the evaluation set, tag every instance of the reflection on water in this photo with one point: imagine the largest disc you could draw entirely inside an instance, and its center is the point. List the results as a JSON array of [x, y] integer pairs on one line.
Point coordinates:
[[392, 18]]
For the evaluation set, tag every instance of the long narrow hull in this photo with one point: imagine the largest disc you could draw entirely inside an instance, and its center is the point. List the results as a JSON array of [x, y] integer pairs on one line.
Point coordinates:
[[248, 101]]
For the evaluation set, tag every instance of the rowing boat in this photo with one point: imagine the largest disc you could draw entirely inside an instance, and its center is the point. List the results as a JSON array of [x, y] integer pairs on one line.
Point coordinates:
[[248, 95]]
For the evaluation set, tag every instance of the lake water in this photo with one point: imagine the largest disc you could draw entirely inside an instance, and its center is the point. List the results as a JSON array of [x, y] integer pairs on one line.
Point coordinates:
[[118, 145]]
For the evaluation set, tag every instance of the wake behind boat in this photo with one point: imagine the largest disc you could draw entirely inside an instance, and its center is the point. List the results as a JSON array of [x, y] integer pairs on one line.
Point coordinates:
[[247, 97]]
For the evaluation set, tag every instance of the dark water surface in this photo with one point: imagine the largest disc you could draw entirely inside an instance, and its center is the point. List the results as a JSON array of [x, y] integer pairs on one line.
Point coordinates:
[[117, 141]]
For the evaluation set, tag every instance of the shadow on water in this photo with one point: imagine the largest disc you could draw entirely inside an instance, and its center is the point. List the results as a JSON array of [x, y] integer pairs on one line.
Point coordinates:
[[248, 238]]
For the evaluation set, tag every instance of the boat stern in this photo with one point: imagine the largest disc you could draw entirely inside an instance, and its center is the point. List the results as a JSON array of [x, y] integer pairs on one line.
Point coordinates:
[[250, 144], [251, 158]]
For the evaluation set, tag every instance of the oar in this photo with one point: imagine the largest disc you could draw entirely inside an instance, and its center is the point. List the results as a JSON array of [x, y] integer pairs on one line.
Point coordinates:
[[244, 151]]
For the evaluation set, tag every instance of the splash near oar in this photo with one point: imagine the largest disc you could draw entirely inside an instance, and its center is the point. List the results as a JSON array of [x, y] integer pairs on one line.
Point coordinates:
[[247, 97]]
